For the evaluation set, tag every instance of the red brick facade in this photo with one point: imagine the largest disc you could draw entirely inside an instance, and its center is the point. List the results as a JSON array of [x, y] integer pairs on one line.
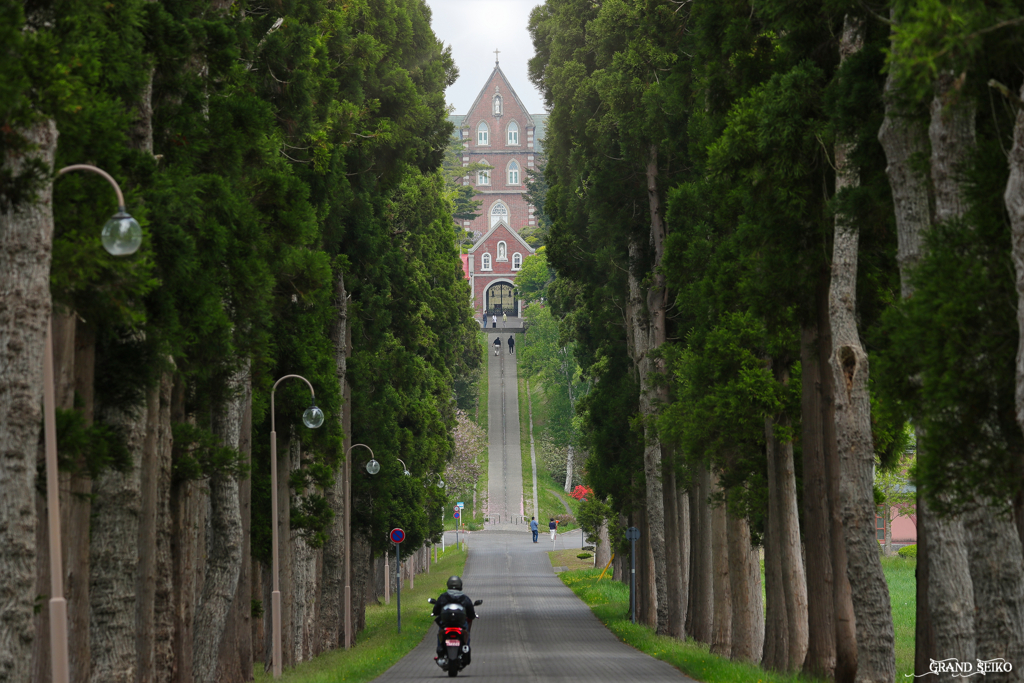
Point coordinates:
[[508, 145], [495, 260]]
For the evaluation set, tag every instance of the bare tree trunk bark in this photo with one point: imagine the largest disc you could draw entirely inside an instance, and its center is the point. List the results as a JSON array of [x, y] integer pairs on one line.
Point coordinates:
[[158, 402], [114, 558], [163, 600], [333, 604], [683, 533], [876, 658], [26, 239], [903, 139], [362, 566], [673, 559], [702, 585], [721, 639], [776, 638], [744, 593], [184, 549], [223, 541], [794, 582], [821, 647], [236, 657]]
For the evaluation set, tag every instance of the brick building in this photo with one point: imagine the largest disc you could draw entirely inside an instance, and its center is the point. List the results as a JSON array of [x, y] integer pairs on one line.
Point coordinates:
[[499, 132]]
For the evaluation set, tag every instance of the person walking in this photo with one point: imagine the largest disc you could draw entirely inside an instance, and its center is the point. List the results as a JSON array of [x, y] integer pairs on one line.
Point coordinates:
[[511, 344], [534, 528], [552, 527], [497, 345], [504, 319], [485, 319], [494, 320]]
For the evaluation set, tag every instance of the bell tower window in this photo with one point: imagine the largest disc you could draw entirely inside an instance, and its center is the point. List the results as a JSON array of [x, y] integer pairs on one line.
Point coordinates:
[[481, 134], [513, 173], [513, 133]]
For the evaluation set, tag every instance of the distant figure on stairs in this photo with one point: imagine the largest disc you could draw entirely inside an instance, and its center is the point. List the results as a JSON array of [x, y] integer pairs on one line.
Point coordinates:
[[494, 320], [497, 345], [534, 528], [512, 344]]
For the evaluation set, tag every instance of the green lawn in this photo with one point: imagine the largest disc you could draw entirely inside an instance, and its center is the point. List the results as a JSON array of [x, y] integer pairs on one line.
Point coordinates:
[[380, 645], [610, 602]]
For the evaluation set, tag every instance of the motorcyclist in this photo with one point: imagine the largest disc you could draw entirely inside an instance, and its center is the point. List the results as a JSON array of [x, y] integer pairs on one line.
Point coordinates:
[[453, 594]]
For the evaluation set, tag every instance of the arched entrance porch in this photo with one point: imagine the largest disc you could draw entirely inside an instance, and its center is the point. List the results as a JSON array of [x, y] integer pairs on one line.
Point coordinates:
[[500, 297]]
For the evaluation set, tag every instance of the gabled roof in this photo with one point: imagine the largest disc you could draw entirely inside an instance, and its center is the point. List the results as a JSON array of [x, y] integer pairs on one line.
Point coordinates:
[[497, 71], [502, 224]]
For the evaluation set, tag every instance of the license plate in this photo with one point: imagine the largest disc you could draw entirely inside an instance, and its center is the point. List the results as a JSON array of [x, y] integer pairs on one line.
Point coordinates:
[[454, 643]]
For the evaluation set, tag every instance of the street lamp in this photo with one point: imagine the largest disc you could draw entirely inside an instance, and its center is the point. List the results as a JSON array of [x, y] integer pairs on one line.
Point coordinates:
[[312, 418], [373, 467], [121, 236]]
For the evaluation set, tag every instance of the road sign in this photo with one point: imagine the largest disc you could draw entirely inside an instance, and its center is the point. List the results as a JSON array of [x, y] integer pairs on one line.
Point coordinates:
[[461, 505], [632, 534], [397, 535], [457, 513]]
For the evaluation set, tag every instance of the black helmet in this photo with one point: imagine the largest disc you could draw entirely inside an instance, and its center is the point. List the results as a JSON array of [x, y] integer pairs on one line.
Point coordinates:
[[454, 583]]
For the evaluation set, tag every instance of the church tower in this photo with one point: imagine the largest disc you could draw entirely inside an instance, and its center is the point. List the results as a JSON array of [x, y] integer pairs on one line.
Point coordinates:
[[498, 131]]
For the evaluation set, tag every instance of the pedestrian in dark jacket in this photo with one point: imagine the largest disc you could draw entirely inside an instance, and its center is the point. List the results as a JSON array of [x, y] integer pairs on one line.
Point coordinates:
[[511, 343], [552, 527]]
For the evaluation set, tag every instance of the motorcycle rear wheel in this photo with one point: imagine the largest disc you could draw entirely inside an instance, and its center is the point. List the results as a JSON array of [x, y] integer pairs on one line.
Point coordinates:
[[453, 672]]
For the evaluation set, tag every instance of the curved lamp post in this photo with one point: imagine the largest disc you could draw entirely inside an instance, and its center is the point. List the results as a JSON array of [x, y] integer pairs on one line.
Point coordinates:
[[373, 467], [121, 236], [312, 418]]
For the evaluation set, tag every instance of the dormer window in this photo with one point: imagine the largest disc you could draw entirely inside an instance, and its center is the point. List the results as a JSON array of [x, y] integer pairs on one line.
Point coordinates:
[[497, 105], [502, 251], [485, 262], [513, 173], [481, 134], [513, 133], [517, 261]]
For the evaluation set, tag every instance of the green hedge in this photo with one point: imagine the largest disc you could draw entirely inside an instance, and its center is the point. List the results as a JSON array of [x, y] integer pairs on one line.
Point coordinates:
[[908, 551]]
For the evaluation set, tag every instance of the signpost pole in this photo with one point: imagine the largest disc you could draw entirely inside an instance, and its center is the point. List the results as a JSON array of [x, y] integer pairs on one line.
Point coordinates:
[[632, 534], [398, 583]]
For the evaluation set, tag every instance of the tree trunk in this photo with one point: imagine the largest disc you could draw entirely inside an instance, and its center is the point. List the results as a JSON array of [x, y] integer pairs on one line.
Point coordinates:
[[744, 592], [236, 656], [223, 540], [997, 575], [794, 582], [151, 577], [683, 532], [721, 634], [568, 469], [875, 642], [842, 593], [702, 585], [673, 558], [362, 566], [26, 239], [163, 599], [776, 632], [903, 139], [821, 644], [603, 551], [333, 603], [184, 550], [114, 558]]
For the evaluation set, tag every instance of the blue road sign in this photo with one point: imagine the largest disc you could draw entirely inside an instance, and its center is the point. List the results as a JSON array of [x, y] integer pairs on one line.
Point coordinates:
[[397, 535]]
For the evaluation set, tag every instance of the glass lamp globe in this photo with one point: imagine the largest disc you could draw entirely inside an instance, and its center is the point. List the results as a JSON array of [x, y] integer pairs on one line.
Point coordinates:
[[122, 234], [373, 467], [313, 417], [440, 483]]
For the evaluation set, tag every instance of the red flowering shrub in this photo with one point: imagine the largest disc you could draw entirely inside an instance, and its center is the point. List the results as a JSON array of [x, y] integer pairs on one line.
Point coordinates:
[[580, 492]]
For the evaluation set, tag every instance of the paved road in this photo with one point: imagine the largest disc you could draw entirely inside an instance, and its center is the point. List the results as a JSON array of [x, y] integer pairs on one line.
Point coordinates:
[[532, 627], [505, 471]]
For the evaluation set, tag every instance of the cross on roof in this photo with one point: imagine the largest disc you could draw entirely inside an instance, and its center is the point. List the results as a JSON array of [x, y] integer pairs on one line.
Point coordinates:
[[496, 57]]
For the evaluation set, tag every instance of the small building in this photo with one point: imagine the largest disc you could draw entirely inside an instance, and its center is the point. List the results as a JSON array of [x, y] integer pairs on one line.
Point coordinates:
[[494, 262]]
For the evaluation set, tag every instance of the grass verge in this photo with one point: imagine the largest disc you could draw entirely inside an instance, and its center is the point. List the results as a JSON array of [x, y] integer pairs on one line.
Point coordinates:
[[609, 601], [380, 645]]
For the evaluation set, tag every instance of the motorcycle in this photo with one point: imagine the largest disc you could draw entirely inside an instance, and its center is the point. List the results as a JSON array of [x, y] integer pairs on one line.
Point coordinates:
[[452, 621]]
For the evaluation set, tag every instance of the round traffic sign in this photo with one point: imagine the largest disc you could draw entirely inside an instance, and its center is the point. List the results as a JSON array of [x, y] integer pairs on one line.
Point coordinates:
[[632, 534], [457, 513], [397, 535]]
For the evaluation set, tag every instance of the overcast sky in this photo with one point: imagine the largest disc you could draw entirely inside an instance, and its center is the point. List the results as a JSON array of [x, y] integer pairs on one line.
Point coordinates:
[[474, 29]]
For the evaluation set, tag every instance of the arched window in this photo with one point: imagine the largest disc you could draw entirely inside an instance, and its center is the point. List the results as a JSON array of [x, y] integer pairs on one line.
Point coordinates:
[[513, 133], [517, 261], [485, 262], [483, 177], [502, 252], [498, 212], [513, 173], [497, 105], [481, 134]]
